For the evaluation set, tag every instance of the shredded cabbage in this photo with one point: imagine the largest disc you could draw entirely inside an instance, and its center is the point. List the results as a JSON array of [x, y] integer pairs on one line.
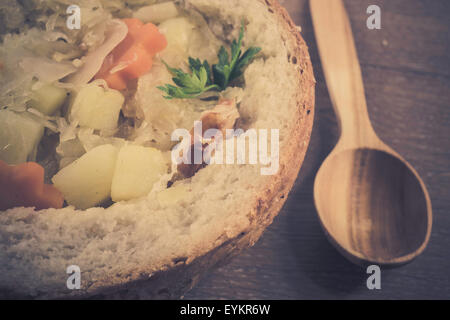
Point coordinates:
[[44, 50], [27, 59]]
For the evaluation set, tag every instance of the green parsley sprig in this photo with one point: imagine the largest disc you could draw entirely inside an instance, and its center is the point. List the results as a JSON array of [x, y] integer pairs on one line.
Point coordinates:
[[203, 78]]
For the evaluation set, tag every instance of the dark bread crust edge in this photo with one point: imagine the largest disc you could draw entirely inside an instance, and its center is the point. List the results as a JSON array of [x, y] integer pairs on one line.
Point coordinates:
[[175, 282]]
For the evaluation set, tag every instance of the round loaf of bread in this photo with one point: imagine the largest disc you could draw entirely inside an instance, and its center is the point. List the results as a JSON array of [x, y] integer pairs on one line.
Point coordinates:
[[142, 249]]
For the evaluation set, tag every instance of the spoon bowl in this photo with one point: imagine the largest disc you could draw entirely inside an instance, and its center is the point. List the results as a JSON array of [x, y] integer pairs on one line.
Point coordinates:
[[373, 205]]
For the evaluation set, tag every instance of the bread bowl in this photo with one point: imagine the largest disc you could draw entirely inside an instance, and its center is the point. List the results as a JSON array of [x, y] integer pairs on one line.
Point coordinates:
[[149, 248]]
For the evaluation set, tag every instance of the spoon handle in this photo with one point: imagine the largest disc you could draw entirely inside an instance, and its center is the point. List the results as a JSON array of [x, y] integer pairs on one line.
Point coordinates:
[[342, 72]]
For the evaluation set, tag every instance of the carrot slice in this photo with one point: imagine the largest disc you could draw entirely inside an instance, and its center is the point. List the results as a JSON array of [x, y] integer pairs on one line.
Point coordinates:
[[138, 60], [23, 186], [133, 57], [133, 25], [150, 37]]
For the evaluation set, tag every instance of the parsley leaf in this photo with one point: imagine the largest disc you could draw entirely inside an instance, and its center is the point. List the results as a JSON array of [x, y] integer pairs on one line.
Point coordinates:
[[203, 78], [189, 85]]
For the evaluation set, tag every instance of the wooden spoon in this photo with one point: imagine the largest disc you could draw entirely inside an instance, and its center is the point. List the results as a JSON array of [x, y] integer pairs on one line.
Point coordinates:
[[371, 202]]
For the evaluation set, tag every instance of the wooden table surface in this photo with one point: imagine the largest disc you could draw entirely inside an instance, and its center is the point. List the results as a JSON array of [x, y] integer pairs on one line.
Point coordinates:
[[406, 71]]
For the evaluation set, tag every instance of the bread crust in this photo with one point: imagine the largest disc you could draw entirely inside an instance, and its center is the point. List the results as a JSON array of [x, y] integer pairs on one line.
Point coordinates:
[[175, 282]]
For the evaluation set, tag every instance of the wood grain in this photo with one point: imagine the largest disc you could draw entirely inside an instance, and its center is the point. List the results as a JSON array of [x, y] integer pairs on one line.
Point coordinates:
[[406, 73], [372, 204]]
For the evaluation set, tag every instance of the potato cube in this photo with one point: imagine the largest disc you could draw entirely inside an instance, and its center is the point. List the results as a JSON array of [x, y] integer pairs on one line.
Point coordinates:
[[97, 108], [137, 170], [87, 182], [48, 99], [157, 13], [178, 32], [20, 135]]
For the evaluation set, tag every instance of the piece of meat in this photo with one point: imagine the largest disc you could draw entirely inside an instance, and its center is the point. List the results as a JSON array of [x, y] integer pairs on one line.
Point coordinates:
[[221, 117]]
